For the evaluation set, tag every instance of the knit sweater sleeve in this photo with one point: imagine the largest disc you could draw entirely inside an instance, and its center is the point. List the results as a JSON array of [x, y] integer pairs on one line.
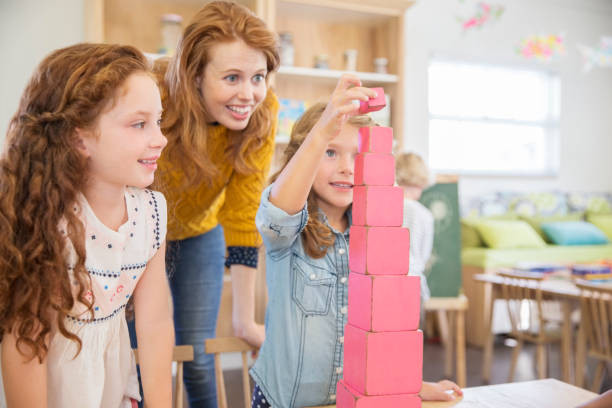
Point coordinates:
[[243, 193]]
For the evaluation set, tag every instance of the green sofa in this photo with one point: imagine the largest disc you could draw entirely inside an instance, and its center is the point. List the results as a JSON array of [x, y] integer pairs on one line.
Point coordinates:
[[505, 229]]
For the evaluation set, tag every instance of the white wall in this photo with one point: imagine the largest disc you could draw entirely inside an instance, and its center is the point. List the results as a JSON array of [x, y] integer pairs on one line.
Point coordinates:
[[29, 30], [586, 102]]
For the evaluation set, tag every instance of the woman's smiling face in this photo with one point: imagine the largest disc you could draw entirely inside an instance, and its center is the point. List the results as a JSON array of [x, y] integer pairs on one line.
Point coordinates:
[[233, 83]]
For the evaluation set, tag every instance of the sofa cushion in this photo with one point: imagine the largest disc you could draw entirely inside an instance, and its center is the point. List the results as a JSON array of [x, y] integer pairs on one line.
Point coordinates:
[[574, 233], [470, 238], [537, 221], [493, 258], [539, 204], [592, 203], [603, 222], [509, 234]]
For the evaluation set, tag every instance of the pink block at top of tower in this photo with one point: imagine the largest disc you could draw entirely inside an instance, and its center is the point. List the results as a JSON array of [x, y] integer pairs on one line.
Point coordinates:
[[376, 139], [373, 104]]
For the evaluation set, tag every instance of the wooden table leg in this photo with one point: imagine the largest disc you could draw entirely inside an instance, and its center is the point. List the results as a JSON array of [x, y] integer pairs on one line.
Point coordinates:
[[445, 334], [580, 354], [566, 342], [460, 339], [488, 345]]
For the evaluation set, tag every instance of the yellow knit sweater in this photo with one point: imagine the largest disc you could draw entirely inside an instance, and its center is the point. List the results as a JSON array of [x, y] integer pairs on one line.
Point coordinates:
[[233, 198]]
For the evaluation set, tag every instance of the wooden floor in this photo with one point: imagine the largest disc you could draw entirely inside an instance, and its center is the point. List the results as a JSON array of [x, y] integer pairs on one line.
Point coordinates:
[[434, 369]]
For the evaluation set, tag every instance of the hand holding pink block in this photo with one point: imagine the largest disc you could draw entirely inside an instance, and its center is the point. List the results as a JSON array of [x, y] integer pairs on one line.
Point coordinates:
[[384, 303], [374, 169], [375, 139], [348, 397], [383, 363], [381, 206], [379, 250], [373, 104]]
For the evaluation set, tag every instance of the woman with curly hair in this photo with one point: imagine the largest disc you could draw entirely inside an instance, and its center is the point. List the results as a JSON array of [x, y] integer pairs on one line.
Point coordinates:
[[82, 237], [220, 119]]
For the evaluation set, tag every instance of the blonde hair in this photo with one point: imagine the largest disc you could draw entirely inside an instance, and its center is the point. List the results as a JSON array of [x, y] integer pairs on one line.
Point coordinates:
[[411, 170], [317, 237]]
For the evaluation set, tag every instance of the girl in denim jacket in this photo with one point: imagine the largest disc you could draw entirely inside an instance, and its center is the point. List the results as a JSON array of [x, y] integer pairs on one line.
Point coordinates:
[[304, 218]]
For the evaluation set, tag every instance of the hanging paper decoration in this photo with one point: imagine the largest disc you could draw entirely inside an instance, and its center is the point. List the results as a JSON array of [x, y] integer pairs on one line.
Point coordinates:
[[484, 13], [542, 47], [598, 56]]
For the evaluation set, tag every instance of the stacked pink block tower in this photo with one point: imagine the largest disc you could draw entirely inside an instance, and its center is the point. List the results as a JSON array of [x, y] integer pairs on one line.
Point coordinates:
[[383, 348]]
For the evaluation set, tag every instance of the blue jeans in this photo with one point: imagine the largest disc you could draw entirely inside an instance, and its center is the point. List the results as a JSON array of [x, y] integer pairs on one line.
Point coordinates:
[[195, 269]]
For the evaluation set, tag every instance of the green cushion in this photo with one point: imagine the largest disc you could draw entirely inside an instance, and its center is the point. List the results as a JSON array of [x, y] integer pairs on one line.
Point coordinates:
[[574, 233], [469, 234], [536, 221], [509, 234], [603, 222], [493, 258]]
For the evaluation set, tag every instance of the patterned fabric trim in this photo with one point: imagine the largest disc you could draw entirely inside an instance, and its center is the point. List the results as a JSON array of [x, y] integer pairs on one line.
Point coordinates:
[[156, 230], [99, 319], [112, 274], [241, 255]]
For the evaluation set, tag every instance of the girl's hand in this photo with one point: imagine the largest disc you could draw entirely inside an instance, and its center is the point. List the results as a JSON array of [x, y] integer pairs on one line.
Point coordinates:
[[340, 106], [439, 391]]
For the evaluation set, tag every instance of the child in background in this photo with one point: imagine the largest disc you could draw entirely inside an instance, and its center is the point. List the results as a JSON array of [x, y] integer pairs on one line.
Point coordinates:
[[412, 175], [81, 237], [304, 218]]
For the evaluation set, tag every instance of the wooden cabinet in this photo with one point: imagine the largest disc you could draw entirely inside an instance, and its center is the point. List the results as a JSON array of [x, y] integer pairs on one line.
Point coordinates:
[[373, 28]]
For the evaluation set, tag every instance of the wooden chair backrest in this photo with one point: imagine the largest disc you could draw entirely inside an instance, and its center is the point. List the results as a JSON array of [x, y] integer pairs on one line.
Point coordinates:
[[522, 294], [220, 345], [596, 316], [180, 354]]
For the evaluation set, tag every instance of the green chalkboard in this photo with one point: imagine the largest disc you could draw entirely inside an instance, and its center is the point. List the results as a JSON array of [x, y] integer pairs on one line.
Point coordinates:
[[443, 270]]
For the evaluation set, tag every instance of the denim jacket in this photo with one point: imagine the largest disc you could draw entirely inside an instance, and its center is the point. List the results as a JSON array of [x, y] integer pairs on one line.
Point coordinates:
[[300, 361]]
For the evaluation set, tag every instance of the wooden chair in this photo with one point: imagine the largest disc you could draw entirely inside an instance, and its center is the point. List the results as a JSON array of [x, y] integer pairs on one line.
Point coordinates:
[[595, 330], [220, 345], [451, 314], [180, 355], [528, 319]]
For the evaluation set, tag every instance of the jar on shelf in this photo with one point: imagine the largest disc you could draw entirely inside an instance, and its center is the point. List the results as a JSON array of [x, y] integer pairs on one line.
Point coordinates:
[[321, 61], [380, 65], [350, 59], [286, 48], [171, 31]]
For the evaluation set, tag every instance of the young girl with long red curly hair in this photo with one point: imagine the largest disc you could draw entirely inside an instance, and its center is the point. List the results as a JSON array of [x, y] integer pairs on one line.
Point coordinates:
[[82, 237]]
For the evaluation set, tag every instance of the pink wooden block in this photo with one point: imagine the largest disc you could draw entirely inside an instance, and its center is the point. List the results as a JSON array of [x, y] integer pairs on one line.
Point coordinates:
[[384, 303], [374, 169], [383, 363], [373, 104], [348, 397], [375, 139], [380, 206], [379, 250]]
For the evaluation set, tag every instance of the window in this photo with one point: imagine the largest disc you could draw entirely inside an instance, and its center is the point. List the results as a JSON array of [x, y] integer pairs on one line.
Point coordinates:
[[486, 119]]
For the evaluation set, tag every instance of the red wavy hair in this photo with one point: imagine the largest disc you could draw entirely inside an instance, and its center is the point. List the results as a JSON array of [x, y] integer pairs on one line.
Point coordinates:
[[42, 173], [184, 115]]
